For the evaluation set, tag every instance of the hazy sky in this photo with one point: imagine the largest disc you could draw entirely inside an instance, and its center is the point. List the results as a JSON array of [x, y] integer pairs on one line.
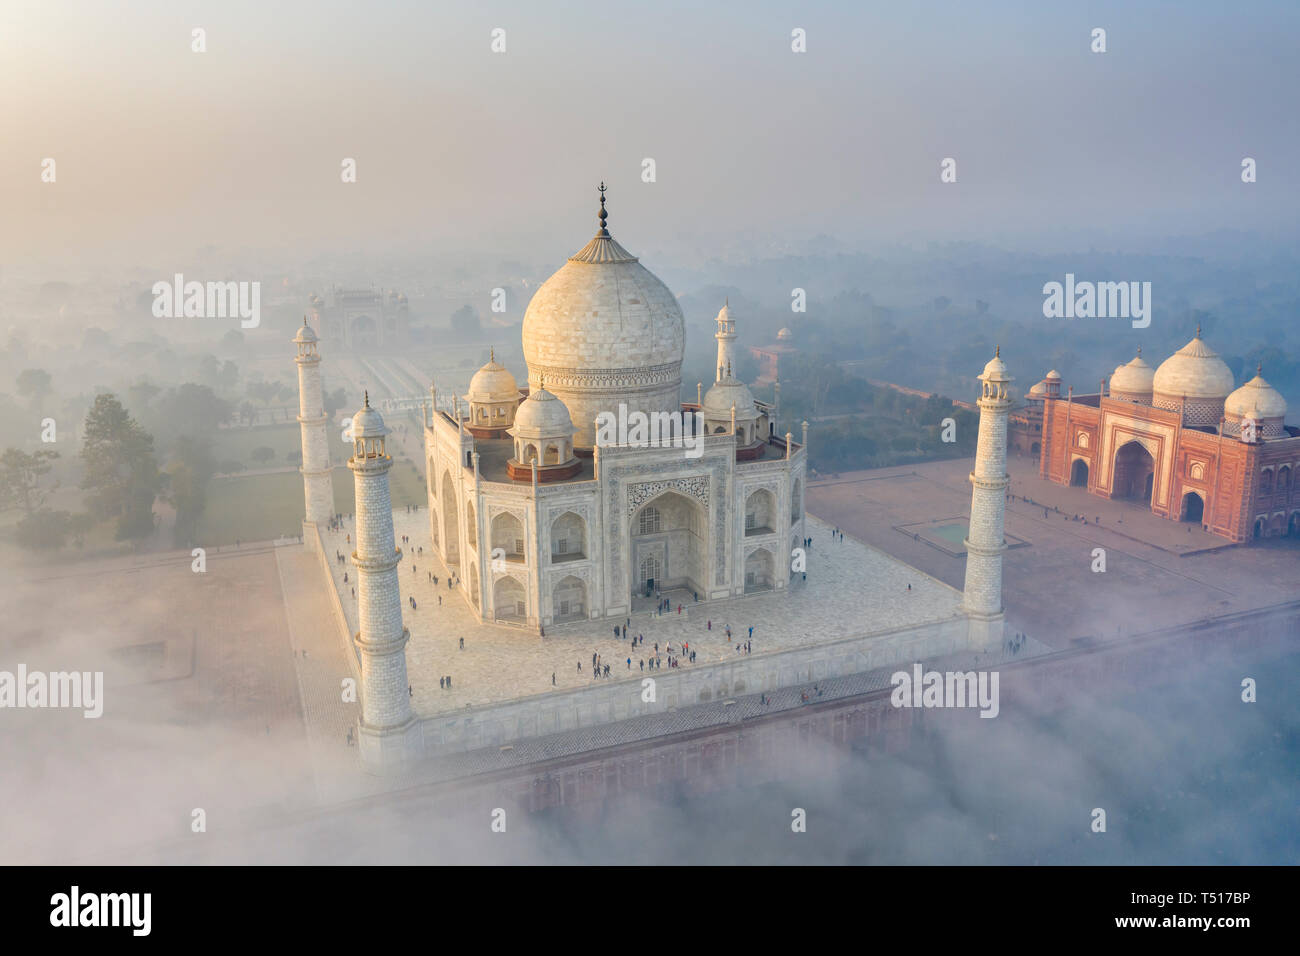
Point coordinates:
[[161, 151]]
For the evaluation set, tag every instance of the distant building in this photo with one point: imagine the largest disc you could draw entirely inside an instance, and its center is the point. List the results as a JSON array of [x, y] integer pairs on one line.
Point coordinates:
[[1179, 439], [769, 357], [361, 319]]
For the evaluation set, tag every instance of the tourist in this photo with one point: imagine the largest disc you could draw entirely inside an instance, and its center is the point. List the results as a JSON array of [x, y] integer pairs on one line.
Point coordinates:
[[553, 677], [643, 664], [710, 624], [448, 682], [579, 667], [462, 643], [751, 631], [442, 683], [629, 663]]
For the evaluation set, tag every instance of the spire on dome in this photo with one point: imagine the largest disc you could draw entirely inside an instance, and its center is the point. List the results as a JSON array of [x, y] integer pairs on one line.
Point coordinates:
[[492, 354], [366, 393], [602, 248]]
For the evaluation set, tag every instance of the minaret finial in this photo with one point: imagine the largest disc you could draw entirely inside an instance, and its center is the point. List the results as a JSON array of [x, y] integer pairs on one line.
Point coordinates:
[[367, 394], [1259, 368], [604, 232], [492, 354], [997, 351], [1139, 351], [1198, 330], [304, 321]]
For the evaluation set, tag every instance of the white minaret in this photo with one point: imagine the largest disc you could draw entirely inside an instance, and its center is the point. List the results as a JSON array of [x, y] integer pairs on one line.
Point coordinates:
[[982, 599], [388, 731], [317, 480], [726, 336]]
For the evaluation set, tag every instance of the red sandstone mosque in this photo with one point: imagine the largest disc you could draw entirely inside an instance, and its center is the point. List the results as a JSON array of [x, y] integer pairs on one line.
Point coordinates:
[[1176, 437]]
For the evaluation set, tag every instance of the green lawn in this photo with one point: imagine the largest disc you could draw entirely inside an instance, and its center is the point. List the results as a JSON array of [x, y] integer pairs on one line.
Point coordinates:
[[258, 507], [237, 444]]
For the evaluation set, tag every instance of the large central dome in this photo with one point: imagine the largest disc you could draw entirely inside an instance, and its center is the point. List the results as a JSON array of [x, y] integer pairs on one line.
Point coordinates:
[[603, 331]]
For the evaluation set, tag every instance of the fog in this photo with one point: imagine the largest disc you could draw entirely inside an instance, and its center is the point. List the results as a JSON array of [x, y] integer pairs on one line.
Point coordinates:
[[476, 171]]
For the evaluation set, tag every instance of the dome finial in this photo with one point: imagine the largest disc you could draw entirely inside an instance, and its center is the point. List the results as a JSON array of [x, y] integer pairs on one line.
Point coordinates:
[[367, 395], [304, 321], [604, 232], [1139, 351], [1198, 330], [997, 351], [492, 354], [1259, 368]]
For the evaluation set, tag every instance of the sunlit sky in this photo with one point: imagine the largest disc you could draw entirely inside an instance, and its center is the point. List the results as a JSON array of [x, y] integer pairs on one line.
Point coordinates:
[[160, 149]]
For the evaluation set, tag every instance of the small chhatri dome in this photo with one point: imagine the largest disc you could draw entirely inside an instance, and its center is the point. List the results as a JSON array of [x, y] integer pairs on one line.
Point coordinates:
[[784, 334], [1133, 378], [1257, 395], [368, 423], [492, 384], [1195, 371], [1052, 376], [1038, 388], [305, 334], [725, 395], [541, 414], [996, 370]]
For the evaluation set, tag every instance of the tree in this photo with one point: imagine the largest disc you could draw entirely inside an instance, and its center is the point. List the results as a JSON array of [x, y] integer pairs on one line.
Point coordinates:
[[43, 530], [195, 410], [21, 479], [188, 474], [120, 470], [35, 384], [262, 454], [334, 401]]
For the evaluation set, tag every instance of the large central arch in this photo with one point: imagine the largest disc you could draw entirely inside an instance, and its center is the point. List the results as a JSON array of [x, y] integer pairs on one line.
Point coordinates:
[[671, 529], [1134, 477]]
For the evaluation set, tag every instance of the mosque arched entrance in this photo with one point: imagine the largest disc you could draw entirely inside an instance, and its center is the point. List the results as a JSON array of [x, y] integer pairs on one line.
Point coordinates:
[[1079, 474], [365, 334], [1193, 508], [668, 540], [1135, 472]]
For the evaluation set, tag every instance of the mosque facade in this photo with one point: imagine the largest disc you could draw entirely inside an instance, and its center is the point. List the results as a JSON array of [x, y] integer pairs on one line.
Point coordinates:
[[593, 491], [1178, 438]]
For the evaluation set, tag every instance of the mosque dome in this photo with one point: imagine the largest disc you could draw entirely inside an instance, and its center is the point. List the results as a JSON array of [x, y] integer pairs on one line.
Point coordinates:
[[1193, 381], [1038, 388], [1134, 379], [604, 331], [491, 384], [1257, 396], [784, 335], [1196, 371]]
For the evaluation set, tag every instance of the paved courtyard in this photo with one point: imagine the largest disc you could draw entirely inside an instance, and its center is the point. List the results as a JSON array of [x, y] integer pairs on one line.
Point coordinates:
[[1158, 572], [851, 590]]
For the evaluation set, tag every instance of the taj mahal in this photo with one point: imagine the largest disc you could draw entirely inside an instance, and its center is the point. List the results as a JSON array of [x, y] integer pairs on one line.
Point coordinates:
[[553, 527], [547, 523]]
